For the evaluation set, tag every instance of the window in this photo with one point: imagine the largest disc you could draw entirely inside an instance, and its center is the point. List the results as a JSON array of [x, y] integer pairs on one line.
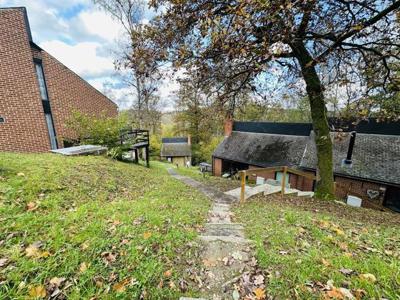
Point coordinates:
[[42, 83], [46, 104], [50, 127]]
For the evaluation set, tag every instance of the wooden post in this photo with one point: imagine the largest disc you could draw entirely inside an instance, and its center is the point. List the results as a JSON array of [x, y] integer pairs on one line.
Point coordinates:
[[283, 180], [147, 157], [136, 156], [242, 186]]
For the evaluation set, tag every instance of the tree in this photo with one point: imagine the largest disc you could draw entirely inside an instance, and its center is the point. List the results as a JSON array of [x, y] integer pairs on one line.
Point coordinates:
[[234, 43], [138, 59]]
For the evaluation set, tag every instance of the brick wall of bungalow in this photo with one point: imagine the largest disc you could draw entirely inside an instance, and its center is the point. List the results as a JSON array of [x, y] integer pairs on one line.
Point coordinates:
[[24, 128], [344, 185]]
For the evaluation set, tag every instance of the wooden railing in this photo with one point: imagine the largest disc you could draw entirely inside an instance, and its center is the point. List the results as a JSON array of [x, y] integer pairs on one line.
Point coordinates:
[[285, 170]]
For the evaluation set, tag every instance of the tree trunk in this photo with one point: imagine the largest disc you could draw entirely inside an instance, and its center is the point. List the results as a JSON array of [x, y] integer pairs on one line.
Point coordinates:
[[325, 184]]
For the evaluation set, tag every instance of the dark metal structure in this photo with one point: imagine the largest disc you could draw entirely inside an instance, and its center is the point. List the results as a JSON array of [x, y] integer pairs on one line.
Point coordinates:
[[134, 140]]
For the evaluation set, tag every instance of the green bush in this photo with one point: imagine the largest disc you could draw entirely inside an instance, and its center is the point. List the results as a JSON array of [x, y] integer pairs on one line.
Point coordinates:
[[103, 131]]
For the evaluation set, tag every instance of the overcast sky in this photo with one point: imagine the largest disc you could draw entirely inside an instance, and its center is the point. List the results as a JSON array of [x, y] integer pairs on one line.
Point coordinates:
[[83, 38]]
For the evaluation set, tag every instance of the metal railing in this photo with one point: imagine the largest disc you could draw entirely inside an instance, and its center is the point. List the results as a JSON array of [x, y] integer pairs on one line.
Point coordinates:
[[285, 170]]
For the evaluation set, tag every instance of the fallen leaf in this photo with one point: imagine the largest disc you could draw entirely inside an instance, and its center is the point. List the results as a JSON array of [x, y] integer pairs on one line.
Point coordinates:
[[57, 281], [172, 285], [3, 262], [346, 293], [368, 277], [120, 287], [108, 257], [259, 293], [325, 262], [147, 235], [346, 271], [360, 294], [334, 293], [20, 174], [168, 273], [34, 251], [83, 267], [389, 252], [31, 206], [85, 245], [338, 231], [38, 291]]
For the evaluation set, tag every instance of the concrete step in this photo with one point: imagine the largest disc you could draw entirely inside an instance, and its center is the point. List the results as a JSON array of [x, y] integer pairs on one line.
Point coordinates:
[[305, 194], [289, 191], [272, 189], [226, 225], [226, 239], [224, 230]]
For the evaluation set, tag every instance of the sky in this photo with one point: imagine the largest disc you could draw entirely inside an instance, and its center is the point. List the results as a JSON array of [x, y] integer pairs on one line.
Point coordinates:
[[84, 38]]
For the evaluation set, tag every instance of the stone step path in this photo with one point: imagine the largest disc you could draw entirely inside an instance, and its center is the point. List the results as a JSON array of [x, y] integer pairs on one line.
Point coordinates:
[[226, 248]]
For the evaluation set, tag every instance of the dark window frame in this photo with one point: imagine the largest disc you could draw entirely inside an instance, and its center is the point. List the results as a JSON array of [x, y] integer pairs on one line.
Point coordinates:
[[46, 103]]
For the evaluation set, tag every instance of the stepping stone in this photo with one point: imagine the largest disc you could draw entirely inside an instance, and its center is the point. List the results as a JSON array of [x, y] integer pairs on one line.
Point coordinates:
[[305, 194], [223, 231], [227, 239], [291, 191]]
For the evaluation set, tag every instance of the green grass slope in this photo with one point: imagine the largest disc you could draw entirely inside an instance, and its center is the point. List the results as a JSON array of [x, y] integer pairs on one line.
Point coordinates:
[[316, 249], [83, 227]]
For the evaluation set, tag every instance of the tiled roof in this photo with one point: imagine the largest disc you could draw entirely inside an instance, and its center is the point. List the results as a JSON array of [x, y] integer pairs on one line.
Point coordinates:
[[263, 150], [375, 157], [175, 149]]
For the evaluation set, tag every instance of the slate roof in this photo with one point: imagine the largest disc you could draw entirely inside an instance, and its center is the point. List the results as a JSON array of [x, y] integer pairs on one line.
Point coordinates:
[[174, 140], [375, 157], [175, 149], [262, 150]]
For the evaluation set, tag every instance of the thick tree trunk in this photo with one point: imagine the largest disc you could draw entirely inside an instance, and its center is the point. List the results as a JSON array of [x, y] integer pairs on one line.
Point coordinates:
[[325, 185]]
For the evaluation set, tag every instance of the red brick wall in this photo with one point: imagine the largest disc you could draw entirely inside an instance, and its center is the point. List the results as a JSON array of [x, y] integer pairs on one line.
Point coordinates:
[[20, 104], [68, 93], [25, 129], [345, 186], [217, 166], [264, 174]]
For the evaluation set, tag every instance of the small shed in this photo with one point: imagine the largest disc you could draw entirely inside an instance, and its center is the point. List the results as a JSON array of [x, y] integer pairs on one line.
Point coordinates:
[[177, 150]]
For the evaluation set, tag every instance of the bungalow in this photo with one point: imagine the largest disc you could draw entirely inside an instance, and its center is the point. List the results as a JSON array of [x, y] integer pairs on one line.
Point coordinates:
[[177, 150], [366, 157]]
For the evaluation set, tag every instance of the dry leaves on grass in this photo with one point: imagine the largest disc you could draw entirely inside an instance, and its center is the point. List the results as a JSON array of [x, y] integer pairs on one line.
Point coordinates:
[[38, 291], [368, 277], [31, 206], [147, 235], [259, 293], [3, 262], [120, 287], [34, 251], [83, 267]]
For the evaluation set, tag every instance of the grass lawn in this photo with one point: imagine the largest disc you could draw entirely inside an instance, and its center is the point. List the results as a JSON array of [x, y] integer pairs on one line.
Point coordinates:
[[89, 227], [315, 249]]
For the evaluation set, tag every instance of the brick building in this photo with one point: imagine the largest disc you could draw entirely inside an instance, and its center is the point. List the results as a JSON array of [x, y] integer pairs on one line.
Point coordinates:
[[366, 158], [38, 94]]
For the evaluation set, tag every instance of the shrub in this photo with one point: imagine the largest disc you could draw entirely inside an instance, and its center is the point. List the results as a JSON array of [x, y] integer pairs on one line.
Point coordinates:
[[103, 131]]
